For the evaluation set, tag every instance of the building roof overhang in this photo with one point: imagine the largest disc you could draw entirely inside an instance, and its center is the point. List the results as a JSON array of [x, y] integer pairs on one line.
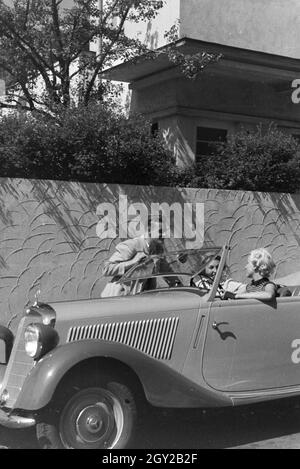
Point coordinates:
[[234, 61]]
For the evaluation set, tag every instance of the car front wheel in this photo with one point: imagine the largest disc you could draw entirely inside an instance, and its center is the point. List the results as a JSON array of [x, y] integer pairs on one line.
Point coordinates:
[[95, 417]]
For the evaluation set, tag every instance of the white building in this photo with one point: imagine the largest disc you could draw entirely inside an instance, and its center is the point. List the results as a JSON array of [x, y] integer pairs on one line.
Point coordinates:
[[251, 84]]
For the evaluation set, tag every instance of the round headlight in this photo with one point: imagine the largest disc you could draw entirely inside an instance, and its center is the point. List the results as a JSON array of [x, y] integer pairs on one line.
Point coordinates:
[[39, 339], [32, 340]]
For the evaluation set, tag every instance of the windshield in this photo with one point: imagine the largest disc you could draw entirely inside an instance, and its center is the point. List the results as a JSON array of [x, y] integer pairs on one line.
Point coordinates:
[[186, 262]]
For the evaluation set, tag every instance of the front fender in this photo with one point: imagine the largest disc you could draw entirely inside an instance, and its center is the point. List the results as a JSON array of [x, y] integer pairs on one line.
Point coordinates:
[[162, 385]]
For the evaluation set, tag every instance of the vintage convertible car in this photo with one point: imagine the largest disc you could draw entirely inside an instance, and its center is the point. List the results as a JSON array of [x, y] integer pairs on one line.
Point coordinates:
[[81, 371]]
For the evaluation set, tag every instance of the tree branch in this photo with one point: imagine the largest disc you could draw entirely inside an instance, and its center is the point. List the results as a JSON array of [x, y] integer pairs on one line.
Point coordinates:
[[11, 33], [43, 72], [56, 27], [26, 108], [104, 19], [103, 57], [109, 11], [27, 96]]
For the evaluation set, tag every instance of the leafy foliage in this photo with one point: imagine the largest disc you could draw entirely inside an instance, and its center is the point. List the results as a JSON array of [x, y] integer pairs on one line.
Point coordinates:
[[44, 49], [262, 160], [92, 144], [95, 144]]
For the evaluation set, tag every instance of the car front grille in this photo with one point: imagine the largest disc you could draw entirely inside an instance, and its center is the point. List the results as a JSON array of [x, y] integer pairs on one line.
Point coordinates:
[[154, 337], [19, 365]]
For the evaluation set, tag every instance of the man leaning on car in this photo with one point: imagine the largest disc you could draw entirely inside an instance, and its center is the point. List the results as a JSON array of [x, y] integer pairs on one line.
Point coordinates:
[[128, 254]]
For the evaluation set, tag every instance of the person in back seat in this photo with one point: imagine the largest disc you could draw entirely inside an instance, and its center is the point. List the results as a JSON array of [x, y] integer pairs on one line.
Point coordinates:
[[283, 291]]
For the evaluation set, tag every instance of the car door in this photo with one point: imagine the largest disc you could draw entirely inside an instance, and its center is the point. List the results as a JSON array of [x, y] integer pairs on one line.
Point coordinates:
[[252, 344]]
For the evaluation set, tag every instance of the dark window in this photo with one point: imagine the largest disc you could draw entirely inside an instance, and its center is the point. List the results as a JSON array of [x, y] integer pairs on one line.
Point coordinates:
[[296, 137], [154, 129], [207, 138]]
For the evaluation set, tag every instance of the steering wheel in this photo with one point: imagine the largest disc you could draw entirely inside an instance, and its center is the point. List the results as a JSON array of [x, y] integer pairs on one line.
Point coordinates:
[[192, 283], [202, 290]]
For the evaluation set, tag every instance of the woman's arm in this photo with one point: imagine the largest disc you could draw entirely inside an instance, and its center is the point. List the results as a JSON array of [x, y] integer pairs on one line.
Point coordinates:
[[268, 294]]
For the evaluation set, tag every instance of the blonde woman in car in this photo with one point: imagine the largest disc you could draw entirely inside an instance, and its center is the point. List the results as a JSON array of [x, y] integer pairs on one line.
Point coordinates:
[[259, 268]]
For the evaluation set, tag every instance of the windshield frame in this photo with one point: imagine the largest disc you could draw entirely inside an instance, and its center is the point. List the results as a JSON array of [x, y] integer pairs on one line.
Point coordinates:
[[208, 297], [217, 279], [125, 278]]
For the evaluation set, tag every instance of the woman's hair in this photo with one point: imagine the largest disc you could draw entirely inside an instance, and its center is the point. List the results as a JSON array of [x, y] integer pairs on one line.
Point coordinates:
[[216, 258], [262, 262]]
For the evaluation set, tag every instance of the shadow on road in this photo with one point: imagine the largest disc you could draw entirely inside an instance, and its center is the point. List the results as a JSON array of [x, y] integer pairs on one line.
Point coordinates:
[[223, 428], [197, 429]]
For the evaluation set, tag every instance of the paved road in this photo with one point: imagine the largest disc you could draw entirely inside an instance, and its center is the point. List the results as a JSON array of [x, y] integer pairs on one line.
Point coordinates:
[[275, 425]]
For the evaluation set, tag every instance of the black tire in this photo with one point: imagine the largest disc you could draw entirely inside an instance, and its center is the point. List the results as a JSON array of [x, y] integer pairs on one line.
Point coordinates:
[[101, 416]]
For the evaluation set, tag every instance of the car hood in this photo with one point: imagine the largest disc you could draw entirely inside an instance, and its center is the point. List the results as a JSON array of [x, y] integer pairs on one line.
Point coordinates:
[[125, 305]]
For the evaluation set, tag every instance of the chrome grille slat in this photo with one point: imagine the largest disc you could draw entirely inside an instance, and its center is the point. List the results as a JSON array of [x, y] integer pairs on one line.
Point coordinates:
[[137, 334], [70, 333], [154, 337], [89, 330], [104, 332], [108, 331], [115, 333], [163, 341], [74, 334], [100, 331], [17, 363], [166, 340], [165, 345], [93, 331], [159, 339], [128, 325], [81, 333], [171, 341], [149, 338], [141, 336], [112, 331], [132, 335], [77, 334], [120, 331]]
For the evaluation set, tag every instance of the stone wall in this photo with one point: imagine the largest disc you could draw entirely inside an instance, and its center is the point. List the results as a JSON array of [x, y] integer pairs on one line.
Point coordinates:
[[49, 240]]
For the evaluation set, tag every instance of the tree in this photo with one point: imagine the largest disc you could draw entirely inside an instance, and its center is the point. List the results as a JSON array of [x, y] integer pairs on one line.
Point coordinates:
[[262, 160], [42, 43], [44, 47]]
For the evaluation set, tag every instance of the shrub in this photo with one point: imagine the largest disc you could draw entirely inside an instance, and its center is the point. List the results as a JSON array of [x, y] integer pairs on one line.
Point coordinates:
[[264, 160], [91, 144]]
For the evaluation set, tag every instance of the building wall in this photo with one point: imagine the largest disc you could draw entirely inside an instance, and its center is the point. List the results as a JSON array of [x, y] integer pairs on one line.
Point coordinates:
[[271, 26], [239, 96], [178, 132], [214, 92], [179, 105], [49, 239]]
